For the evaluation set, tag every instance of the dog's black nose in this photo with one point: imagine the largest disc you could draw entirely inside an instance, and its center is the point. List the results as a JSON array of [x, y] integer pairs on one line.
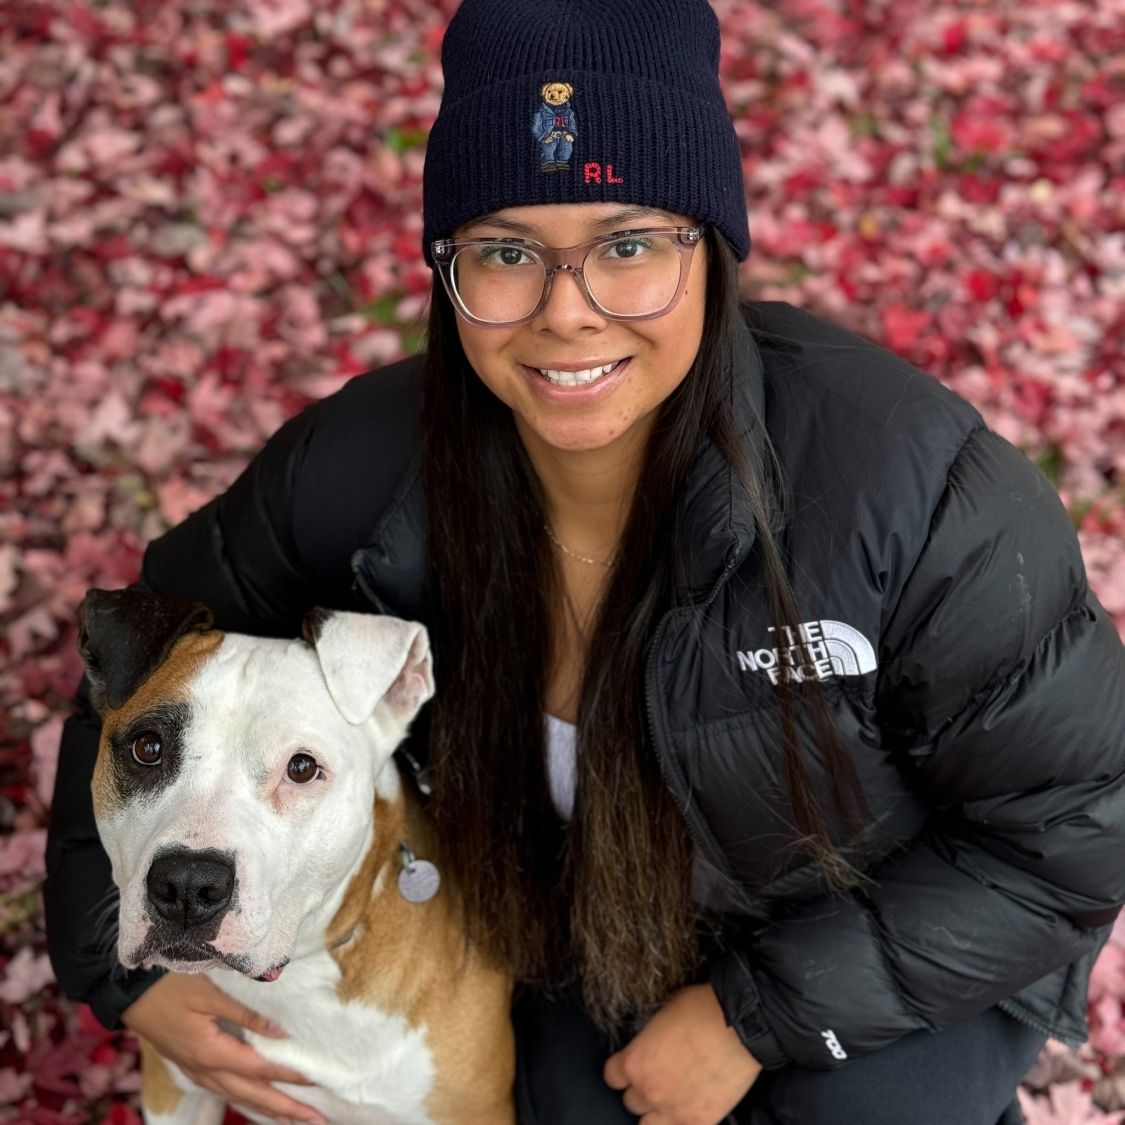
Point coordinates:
[[190, 887]]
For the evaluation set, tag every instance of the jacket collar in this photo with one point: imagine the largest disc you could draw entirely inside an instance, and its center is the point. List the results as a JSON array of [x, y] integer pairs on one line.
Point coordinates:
[[715, 525]]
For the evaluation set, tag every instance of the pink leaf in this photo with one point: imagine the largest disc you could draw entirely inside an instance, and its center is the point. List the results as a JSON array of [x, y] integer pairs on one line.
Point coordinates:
[[21, 853], [25, 975], [44, 757], [1066, 1104], [13, 1086]]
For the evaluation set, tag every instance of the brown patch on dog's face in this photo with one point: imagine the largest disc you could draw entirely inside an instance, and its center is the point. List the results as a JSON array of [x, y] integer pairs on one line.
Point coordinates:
[[412, 959], [159, 1093], [160, 705]]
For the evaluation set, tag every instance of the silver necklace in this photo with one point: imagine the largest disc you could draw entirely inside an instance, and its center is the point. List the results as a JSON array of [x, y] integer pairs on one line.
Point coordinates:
[[574, 554]]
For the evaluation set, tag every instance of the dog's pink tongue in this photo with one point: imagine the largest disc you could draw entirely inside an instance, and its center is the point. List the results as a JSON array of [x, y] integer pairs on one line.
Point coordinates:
[[272, 974]]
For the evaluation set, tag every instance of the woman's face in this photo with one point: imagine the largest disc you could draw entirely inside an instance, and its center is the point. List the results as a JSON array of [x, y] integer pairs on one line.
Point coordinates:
[[617, 408]]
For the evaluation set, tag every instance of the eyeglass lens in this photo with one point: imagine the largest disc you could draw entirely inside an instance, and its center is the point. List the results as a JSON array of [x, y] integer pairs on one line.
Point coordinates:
[[631, 276]]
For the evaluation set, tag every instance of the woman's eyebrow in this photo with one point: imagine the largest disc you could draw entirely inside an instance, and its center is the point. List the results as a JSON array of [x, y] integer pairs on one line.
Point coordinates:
[[627, 214], [622, 216]]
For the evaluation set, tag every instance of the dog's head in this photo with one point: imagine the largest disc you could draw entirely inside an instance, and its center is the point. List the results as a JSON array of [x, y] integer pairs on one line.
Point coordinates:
[[236, 776]]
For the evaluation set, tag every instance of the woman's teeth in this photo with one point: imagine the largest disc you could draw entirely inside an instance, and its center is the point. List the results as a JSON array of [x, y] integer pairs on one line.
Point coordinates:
[[576, 378]]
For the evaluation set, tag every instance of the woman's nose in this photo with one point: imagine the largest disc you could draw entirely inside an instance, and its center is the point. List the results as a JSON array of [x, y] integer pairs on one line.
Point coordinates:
[[566, 308]]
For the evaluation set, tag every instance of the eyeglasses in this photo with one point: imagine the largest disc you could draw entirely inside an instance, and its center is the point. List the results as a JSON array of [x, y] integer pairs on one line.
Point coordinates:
[[628, 275]]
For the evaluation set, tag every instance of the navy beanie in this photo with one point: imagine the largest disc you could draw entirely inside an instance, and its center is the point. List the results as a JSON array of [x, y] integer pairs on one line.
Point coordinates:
[[583, 101]]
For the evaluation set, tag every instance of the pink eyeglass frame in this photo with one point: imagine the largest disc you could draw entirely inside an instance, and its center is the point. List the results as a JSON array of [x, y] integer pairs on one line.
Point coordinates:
[[569, 258]]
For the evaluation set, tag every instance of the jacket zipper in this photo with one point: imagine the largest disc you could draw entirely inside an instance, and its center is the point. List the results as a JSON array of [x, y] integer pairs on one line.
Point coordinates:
[[361, 581], [1008, 1008]]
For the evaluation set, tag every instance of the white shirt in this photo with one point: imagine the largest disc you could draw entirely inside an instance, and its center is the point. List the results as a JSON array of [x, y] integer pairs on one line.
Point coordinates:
[[562, 754]]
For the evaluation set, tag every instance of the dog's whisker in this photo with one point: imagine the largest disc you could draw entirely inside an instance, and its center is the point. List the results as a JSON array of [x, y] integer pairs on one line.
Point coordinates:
[[106, 920]]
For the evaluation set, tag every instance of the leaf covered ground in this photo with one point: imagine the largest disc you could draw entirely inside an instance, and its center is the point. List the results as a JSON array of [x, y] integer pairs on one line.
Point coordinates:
[[210, 214]]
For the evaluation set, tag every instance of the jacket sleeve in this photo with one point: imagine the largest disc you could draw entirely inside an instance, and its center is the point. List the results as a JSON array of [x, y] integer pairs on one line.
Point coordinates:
[[1002, 692], [240, 555]]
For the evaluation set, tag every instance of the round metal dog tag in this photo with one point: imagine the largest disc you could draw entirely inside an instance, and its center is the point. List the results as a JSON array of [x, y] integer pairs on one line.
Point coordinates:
[[419, 881]]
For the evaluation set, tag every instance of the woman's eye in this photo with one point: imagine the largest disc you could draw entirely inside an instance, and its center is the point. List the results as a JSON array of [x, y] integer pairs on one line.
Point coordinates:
[[630, 247], [148, 748], [502, 255], [302, 769]]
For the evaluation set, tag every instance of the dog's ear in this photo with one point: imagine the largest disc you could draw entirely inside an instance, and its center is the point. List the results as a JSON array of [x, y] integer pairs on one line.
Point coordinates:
[[367, 658], [125, 635]]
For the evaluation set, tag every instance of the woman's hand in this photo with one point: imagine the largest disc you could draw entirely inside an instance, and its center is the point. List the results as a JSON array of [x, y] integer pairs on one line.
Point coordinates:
[[686, 1067], [178, 1014]]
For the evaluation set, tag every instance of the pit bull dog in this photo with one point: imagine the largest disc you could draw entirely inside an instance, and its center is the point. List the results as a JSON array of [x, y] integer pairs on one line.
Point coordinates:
[[259, 832]]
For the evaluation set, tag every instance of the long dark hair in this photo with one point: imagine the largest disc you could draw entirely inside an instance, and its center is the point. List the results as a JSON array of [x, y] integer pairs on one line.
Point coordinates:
[[606, 901]]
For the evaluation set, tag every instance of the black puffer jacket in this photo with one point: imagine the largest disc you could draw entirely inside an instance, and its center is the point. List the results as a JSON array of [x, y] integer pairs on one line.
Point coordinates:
[[976, 684]]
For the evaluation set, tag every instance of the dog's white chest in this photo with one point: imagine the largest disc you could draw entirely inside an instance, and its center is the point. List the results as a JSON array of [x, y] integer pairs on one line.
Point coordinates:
[[358, 1056]]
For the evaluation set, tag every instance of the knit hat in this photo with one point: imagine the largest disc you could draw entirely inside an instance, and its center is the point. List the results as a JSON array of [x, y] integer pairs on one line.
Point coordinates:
[[576, 101]]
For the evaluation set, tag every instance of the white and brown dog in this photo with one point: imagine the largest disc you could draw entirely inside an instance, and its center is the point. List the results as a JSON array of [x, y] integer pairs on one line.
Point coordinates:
[[259, 832]]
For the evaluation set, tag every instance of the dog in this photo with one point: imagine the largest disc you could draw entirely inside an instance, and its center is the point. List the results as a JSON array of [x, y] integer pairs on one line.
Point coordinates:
[[259, 832]]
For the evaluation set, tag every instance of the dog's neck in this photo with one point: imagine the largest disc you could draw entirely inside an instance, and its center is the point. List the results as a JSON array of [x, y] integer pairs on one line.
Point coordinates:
[[376, 936]]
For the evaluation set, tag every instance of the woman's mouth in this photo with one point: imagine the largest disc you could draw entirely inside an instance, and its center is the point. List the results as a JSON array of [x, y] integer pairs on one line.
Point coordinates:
[[581, 378]]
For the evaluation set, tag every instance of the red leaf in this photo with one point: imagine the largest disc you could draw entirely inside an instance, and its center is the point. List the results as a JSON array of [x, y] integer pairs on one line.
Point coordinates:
[[902, 327]]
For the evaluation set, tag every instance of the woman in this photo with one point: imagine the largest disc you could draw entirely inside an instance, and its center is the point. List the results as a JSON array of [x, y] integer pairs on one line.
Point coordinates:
[[777, 737]]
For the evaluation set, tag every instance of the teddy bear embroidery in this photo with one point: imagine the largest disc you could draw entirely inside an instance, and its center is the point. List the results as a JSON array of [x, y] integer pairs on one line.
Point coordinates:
[[555, 126]]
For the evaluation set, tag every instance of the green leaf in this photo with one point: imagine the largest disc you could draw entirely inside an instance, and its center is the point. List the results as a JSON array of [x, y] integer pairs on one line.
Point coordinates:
[[1050, 463], [796, 272], [943, 142], [865, 125], [381, 311], [414, 339], [17, 911], [1078, 511], [399, 140]]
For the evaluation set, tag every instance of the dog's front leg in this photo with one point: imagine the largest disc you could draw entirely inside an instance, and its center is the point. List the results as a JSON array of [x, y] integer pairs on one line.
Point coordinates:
[[168, 1098]]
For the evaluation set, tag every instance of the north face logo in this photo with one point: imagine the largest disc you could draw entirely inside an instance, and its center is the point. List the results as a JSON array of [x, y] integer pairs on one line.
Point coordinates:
[[815, 650]]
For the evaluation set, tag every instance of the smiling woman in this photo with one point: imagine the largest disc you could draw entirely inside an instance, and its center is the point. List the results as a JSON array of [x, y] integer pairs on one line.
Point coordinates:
[[775, 750]]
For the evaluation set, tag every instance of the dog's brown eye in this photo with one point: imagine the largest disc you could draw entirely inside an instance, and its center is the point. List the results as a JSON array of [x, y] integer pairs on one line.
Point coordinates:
[[302, 768], [147, 748]]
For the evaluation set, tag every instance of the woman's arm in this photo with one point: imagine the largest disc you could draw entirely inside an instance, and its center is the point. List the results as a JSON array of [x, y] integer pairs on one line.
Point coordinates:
[[1002, 691]]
